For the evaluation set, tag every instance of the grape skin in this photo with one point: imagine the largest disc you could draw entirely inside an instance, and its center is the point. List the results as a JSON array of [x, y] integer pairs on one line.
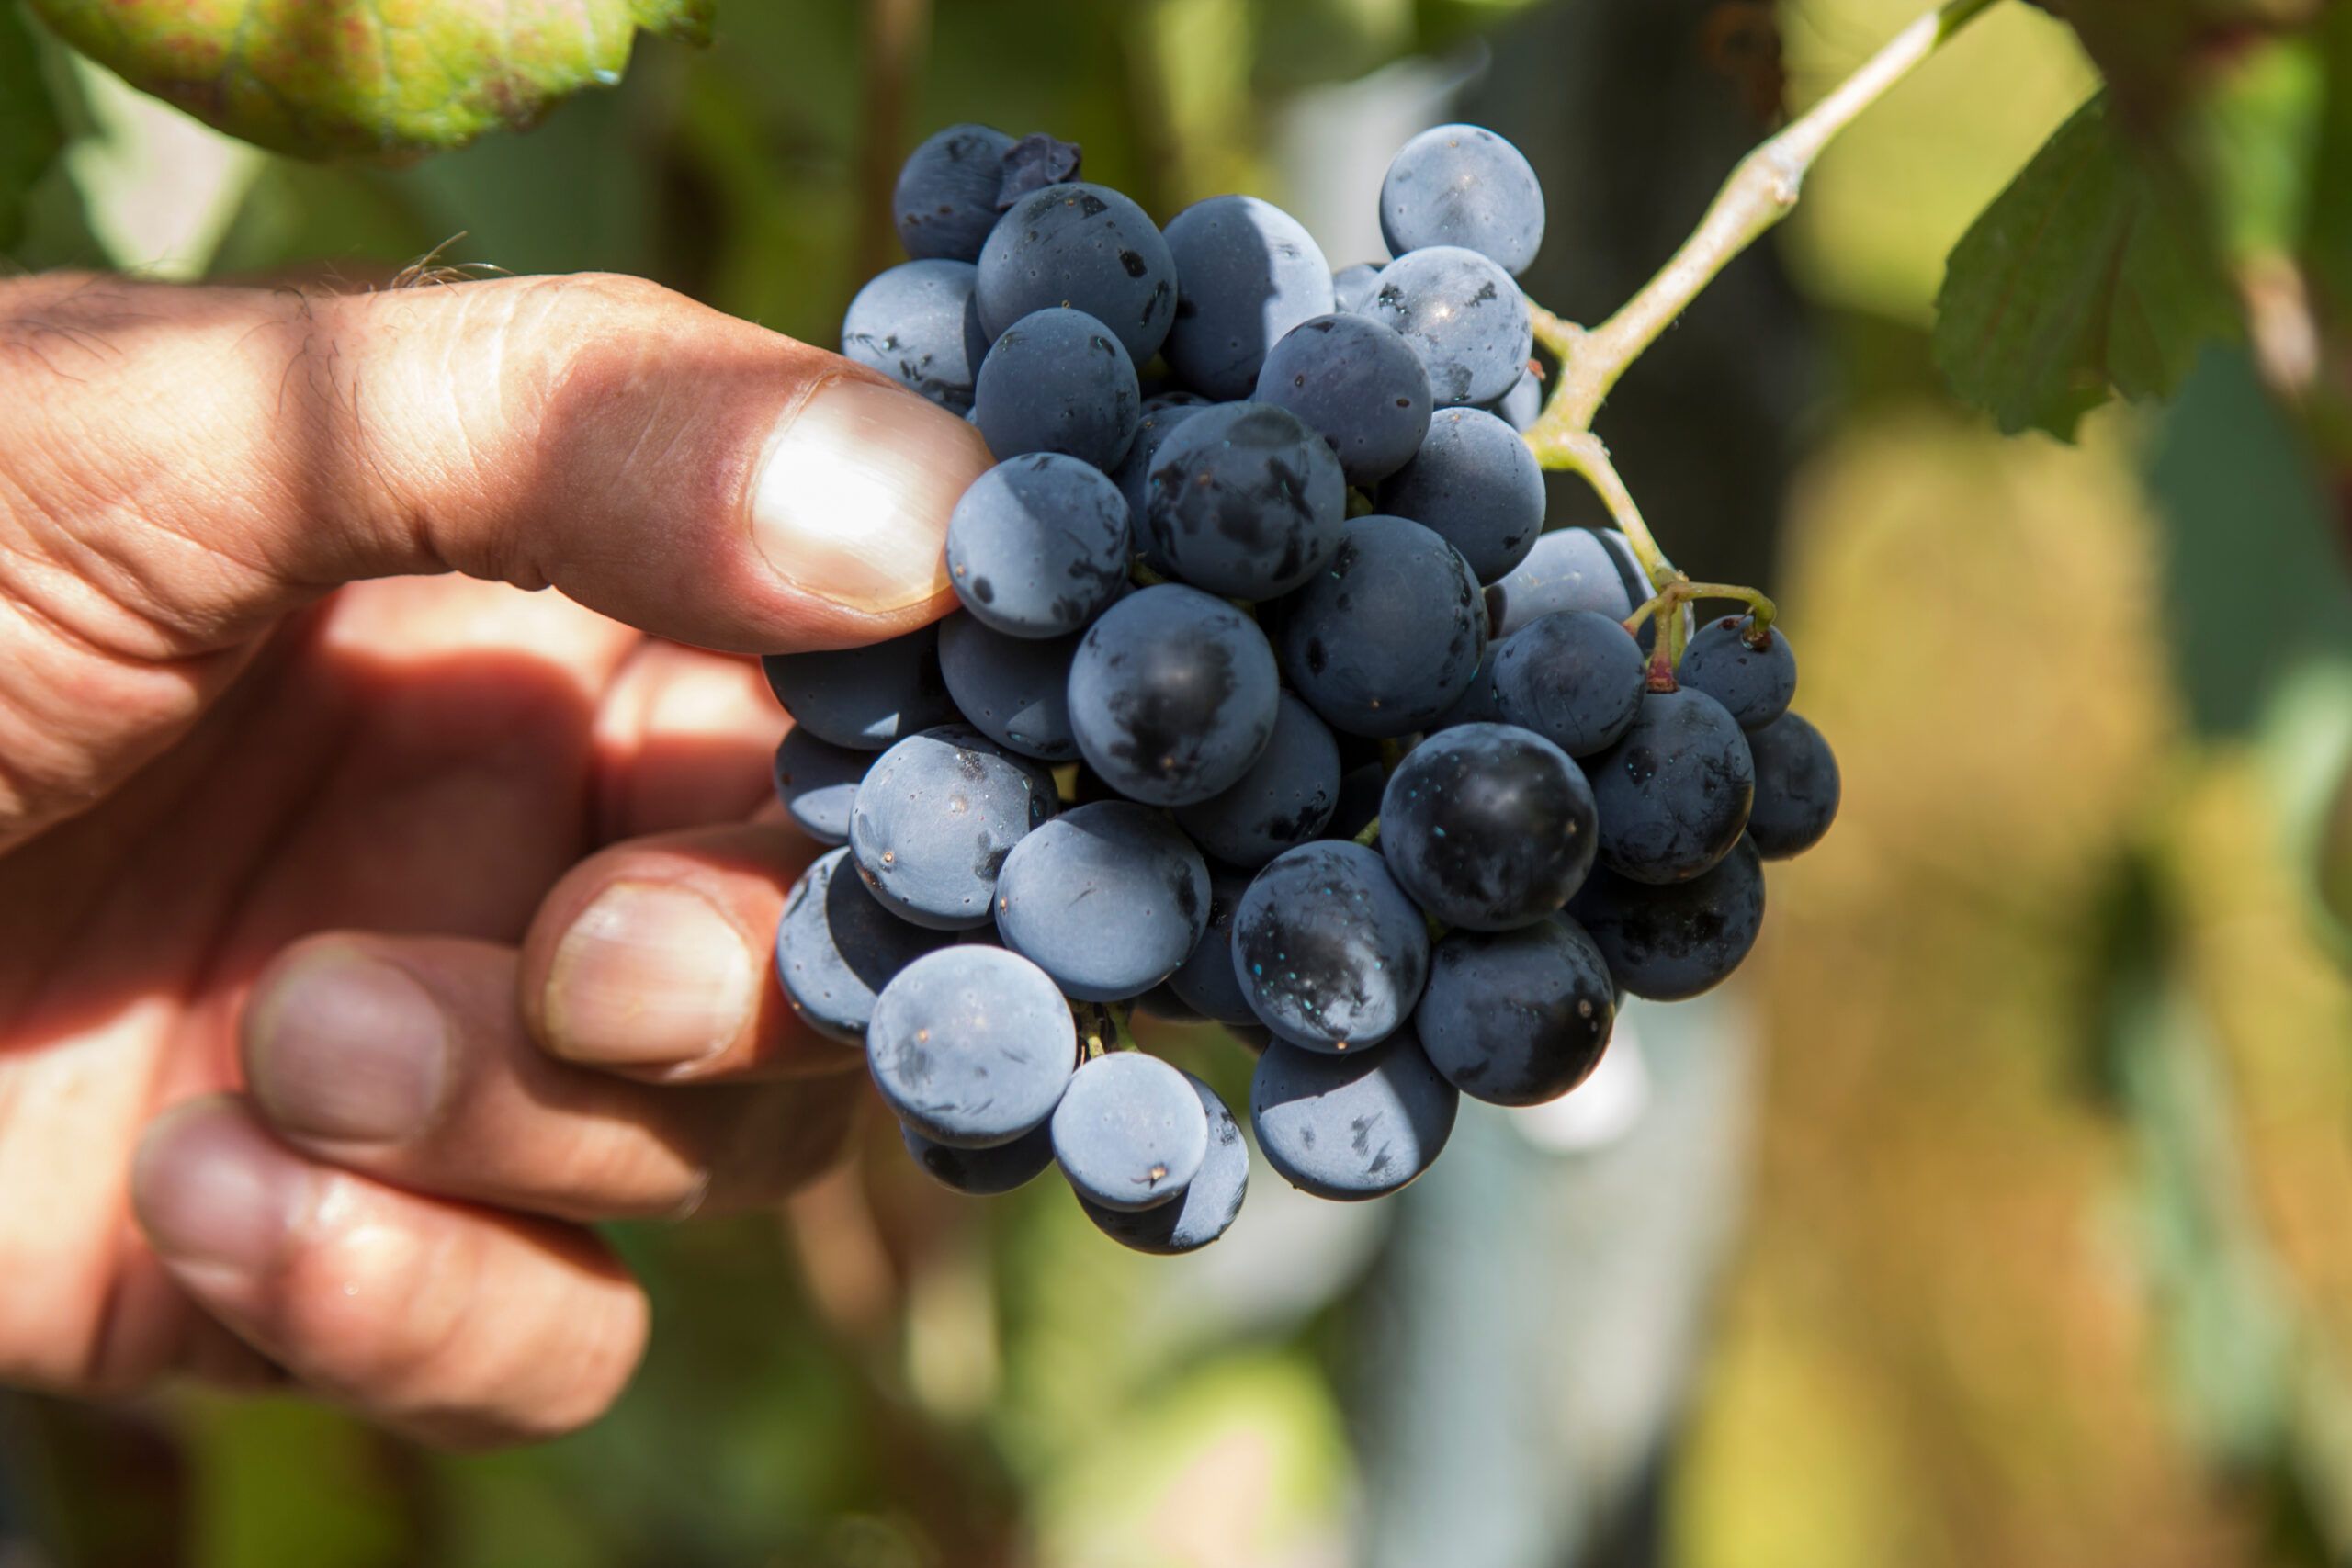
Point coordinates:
[[983, 1173], [836, 947], [1517, 1017], [1569, 569], [1057, 381], [1522, 406], [1796, 788], [1209, 1204], [1574, 677], [816, 781], [1754, 682], [1387, 637], [1281, 801], [971, 1045], [1013, 690], [1671, 943], [1488, 827], [1134, 474], [1248, 273], [1330, 952], [1674, 791], [1087, 247], [944, 203], [1462, 184], [863, 698], [1205, 983], [1353, 1127], [1475, 484], [916, 323], [1354, 287], [1172, 695], [1462, 315], [1245, 500], [1108, 899], [1037, 546], [1131, 1132], [1359, 385], [934, 819]]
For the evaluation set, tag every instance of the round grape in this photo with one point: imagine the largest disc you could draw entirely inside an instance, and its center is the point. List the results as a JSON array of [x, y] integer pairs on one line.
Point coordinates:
[[1462, 184], [1462, 315], [1087, 247], [1133, 475], [1477, 486], [1753, 680], [1667, 942], [1358, 384], [837, 947], [1249, 272], [1796, 788], [863, 698], [945, 201], [1517, 1017], [1569, 569], [1355, 1126], [1210, 1202], [1037, 546], [1172, 695], [1281, 801], [1674, 791], [1057, 381], [1574, 677], [1130, 1133], [1107, 898], [816, 781], [1330, 952], [983, 1173], [916, 323], [1013, 690], [1245, 501], [934, 819], [1206, 982], [1388, 637], [1488, 827], [971, 1046]]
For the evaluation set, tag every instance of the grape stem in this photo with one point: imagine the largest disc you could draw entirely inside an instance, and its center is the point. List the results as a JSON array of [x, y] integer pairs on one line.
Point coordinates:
[[1370, 833], [1759, 193]]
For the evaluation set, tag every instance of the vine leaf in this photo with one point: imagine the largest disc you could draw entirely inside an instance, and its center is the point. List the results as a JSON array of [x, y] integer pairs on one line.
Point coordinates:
[[2081, 280], [30, 136], [378, 78]]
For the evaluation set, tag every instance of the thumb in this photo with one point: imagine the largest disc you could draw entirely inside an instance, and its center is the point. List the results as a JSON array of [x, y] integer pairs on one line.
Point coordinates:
[[190, 463]]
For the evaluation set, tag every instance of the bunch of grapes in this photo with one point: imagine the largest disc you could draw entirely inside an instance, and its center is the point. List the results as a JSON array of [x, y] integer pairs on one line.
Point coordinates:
[[1270, 703]]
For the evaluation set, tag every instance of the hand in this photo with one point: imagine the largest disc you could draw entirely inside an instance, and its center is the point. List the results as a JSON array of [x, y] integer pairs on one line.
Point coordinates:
[[318, 1038]]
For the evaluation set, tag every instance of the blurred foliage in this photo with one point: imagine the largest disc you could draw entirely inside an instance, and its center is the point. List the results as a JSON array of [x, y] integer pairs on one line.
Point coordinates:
[[2044, 1262]]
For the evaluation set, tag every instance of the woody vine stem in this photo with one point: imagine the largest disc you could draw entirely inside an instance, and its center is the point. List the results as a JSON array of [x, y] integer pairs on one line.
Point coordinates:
[[1759, 193]]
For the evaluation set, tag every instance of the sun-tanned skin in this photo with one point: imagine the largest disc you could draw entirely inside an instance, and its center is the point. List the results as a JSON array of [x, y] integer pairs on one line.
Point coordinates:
[[367, 922]]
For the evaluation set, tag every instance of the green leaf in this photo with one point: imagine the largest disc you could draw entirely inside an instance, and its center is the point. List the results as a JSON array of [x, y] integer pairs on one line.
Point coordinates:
[[378, 78], [2081, 280], [29, 135]]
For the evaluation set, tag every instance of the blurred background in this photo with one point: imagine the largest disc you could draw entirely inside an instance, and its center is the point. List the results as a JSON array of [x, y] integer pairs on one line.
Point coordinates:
[[1999, 1212]]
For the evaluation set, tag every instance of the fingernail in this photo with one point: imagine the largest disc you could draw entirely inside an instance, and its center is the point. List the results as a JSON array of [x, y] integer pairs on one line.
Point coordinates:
[[342, 1046], [851, 500], [648, 974], [214, 1191]]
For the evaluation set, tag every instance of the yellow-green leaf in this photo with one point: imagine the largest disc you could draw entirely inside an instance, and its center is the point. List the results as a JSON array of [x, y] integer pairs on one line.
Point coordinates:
[[378, 78]]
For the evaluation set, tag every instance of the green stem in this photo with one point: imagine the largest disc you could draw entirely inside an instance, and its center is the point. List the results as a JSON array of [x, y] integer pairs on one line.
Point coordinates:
[[1370, 834]]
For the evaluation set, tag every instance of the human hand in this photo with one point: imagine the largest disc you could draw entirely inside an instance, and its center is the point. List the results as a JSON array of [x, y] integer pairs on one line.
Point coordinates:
[[319, 1040]]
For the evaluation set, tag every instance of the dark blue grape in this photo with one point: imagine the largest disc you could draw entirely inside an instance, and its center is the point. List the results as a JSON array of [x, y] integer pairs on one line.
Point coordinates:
[[863, 698], [945, 201], [1387, 637], [837, 947], [916, 323], [1517, 1017], [1330, 952], [1057, 381], [1014, 690], [1354, 287], [983, 1173], [1796, 788], [1248, 273], [1133, 475], [1475, 484], [1522, 406], [1245, 501], [1172, 695], [1462, 315], [1670, 942], [1107, 898], [1574, 677], [1568, 568], [1753, 680], [1477, 703], [1210, 1202], [1357, 383], [1674, 791], [816, 781], [1205, 982], [1488, 827], [1131, 1132], [971, 1046], [1355, 1126], [1462, 184], [935, 818], [1086, 247], [1037, 546], [1032, 163], [1281, 801]]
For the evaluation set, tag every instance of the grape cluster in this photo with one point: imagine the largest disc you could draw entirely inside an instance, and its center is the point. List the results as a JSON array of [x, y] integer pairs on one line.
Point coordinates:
[[1270, 703]]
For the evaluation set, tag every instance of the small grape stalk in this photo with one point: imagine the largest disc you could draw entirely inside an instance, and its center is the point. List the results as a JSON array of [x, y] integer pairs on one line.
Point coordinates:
[[1272, 705]]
